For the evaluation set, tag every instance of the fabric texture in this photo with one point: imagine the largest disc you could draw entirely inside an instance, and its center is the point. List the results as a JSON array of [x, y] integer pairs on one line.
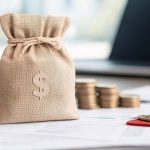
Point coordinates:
[[37, 75]]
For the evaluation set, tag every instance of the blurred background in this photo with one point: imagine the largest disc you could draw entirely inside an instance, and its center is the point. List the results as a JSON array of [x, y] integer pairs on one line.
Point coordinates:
[[93, 28]]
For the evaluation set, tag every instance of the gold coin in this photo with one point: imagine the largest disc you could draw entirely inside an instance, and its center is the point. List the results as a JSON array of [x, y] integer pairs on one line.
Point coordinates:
[[92, 96], [107, 89], [129, 96], [108, 97], [86, 91], [108, 105], [85, 82], [92, 104], [109, 102], [87, 102], [87, 98], [129, 101], [144, 117]]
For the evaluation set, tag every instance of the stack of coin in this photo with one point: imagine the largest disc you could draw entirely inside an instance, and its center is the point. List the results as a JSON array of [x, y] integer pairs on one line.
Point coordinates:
[[108, 95], [86, 93], [129, 100]]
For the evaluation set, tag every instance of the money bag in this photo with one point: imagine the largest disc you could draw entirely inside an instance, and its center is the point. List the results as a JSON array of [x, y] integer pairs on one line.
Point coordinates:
[[37, 74]]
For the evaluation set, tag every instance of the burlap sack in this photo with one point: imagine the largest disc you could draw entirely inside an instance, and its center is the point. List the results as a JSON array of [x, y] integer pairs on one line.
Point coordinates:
[[37, 75]]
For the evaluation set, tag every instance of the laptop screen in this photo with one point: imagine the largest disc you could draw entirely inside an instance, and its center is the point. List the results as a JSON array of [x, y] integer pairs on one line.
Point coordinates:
[[132, 42]]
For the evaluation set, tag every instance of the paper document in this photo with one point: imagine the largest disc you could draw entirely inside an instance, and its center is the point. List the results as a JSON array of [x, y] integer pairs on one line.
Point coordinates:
[[143, 92], [96, 128]]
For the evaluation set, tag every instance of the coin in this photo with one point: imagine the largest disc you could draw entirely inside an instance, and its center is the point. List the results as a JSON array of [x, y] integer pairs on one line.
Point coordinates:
[[129, 101], [108, 97], [87, 96], [129, 96], [107, 88], [108, 101], [82, 83], [144, 117], [85, 101], [86, 93], [88, 102], [109, 104]]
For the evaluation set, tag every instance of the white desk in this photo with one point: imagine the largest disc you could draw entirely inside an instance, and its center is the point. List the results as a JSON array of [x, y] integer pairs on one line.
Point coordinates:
[[95, 128]]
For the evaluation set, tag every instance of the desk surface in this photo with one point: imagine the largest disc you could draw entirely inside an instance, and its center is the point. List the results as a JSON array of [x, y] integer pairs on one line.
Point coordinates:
[[95, 128]]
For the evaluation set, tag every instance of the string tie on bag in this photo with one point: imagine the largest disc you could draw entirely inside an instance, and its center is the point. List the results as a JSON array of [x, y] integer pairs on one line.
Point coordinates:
[[55, 42]]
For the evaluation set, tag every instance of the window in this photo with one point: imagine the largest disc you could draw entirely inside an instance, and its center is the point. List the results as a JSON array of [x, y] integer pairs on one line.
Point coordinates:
[[94, 22]]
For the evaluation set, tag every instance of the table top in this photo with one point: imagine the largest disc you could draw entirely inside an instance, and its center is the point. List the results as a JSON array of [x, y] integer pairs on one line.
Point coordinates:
[[99, 129], [95, 128]]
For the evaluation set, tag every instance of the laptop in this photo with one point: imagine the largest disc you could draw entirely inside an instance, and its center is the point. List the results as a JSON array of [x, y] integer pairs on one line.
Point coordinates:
[[130, 55]]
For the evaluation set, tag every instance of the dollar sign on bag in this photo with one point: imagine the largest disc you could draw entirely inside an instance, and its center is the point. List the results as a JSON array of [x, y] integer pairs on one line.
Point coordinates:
[[43, 87]]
